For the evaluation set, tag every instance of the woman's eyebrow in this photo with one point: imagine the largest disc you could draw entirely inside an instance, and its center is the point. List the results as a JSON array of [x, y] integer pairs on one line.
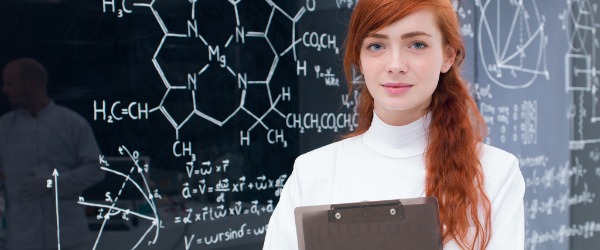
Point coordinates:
[[377, 35], [403, 36], [413, 34]]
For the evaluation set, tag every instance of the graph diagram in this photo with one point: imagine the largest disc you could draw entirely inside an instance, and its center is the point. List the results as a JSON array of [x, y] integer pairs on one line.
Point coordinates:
[[581, 72], [112, 209], [516, 45]]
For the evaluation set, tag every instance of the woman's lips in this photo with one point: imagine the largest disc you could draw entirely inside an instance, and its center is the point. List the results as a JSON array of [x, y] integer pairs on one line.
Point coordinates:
[[396, 88]]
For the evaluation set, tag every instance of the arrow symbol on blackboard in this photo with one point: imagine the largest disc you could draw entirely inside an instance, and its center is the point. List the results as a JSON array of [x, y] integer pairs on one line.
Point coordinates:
[[189, 170], [55, 174]]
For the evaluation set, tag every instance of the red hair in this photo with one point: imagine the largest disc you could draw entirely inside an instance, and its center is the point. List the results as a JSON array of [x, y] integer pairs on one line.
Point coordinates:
[[454, 173]]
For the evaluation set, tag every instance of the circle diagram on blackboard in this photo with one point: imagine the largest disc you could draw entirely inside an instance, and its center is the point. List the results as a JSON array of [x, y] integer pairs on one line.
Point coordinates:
[[513, 44], [128, 202]]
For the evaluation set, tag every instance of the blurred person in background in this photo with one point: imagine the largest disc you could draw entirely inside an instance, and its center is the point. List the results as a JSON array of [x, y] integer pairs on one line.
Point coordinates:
[[36, 137]]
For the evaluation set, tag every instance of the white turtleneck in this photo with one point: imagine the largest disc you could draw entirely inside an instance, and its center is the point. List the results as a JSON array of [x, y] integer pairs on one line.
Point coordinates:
[[397, 141], [384, 163]]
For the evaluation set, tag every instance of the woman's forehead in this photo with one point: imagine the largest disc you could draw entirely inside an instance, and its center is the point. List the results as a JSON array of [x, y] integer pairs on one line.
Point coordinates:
[[422, 22]]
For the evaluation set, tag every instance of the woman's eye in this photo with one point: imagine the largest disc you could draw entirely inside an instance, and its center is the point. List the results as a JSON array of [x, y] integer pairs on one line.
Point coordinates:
[[419, 45], [375, 46]]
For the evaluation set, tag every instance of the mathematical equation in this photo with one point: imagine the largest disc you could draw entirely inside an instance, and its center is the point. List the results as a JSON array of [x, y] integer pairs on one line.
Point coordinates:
[[561, 204], [209, 194], [231, 234], [533, 161], [224, 186], [563, 233], [516, 122], [554, 176], [327, 75], [212, 213]]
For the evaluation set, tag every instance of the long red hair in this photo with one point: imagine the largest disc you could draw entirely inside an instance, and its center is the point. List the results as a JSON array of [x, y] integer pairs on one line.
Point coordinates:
[[454, 173]]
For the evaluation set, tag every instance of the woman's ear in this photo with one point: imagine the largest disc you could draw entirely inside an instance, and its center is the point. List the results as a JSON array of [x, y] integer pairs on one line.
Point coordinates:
[[450, 56]]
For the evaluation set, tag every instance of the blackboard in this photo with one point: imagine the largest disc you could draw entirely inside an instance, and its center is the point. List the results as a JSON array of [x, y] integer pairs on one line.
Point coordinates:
[[213, 100], [534, 62]]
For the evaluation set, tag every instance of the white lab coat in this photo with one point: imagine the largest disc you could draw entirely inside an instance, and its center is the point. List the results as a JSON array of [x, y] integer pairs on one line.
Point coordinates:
[[60, 139]]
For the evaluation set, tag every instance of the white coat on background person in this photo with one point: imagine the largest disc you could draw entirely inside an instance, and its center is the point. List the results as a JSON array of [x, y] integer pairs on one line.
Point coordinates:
[[37, 137]]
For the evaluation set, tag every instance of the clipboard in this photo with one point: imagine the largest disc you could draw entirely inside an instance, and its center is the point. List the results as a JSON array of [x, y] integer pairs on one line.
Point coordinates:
[[389, 224]]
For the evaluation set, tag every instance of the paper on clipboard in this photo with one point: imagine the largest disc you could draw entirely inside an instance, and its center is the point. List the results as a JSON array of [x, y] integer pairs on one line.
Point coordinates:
[[391, 224]]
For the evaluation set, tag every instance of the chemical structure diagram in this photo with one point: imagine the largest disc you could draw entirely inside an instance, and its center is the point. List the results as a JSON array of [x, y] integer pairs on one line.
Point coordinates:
[[213, 65], [581, 73], [112, 207], [518, 49], [223, 64]]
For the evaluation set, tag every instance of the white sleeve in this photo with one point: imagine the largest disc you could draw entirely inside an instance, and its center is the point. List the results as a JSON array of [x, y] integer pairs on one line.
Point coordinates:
[[281, 231], [87, 171], [508, 214]]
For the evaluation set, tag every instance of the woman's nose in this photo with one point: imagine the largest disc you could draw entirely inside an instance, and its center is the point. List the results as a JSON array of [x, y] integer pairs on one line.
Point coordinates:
[[397, 62]]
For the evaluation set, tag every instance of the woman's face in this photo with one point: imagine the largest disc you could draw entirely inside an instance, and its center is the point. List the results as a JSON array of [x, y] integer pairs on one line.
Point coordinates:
[[401, 64]]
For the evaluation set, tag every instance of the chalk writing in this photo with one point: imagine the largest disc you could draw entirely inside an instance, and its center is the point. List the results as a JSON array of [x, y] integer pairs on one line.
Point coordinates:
[[585, 230], [561, 203]]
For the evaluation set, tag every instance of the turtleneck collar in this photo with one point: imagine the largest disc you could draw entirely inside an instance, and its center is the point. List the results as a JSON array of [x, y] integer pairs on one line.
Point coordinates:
[[397, 141]]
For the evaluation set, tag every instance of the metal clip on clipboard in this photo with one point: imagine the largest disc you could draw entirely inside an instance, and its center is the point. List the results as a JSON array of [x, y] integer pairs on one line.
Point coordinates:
[[366, 211]]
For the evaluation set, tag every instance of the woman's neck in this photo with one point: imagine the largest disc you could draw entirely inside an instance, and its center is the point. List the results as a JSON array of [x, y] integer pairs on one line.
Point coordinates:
[[397, 141]]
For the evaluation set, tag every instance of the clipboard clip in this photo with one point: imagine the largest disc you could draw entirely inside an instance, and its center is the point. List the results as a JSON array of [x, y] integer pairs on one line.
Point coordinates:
[[366, 211]]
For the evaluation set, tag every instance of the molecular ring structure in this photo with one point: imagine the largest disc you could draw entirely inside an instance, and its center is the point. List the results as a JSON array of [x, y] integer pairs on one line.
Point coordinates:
[[221, 61]]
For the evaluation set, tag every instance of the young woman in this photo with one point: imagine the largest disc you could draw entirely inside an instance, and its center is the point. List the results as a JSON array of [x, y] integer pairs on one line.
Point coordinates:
[[419, 134]]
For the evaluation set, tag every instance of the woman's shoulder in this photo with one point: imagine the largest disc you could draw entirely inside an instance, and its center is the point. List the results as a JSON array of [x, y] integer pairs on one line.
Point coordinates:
[[329, 149], [493, 153], [327, 154], [499, 164]]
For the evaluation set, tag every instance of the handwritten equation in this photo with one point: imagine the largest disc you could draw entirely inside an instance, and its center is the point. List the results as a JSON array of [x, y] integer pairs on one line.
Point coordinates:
[[231, 234], [554, 177], [562, 234], [516, 123], [561, 203]]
